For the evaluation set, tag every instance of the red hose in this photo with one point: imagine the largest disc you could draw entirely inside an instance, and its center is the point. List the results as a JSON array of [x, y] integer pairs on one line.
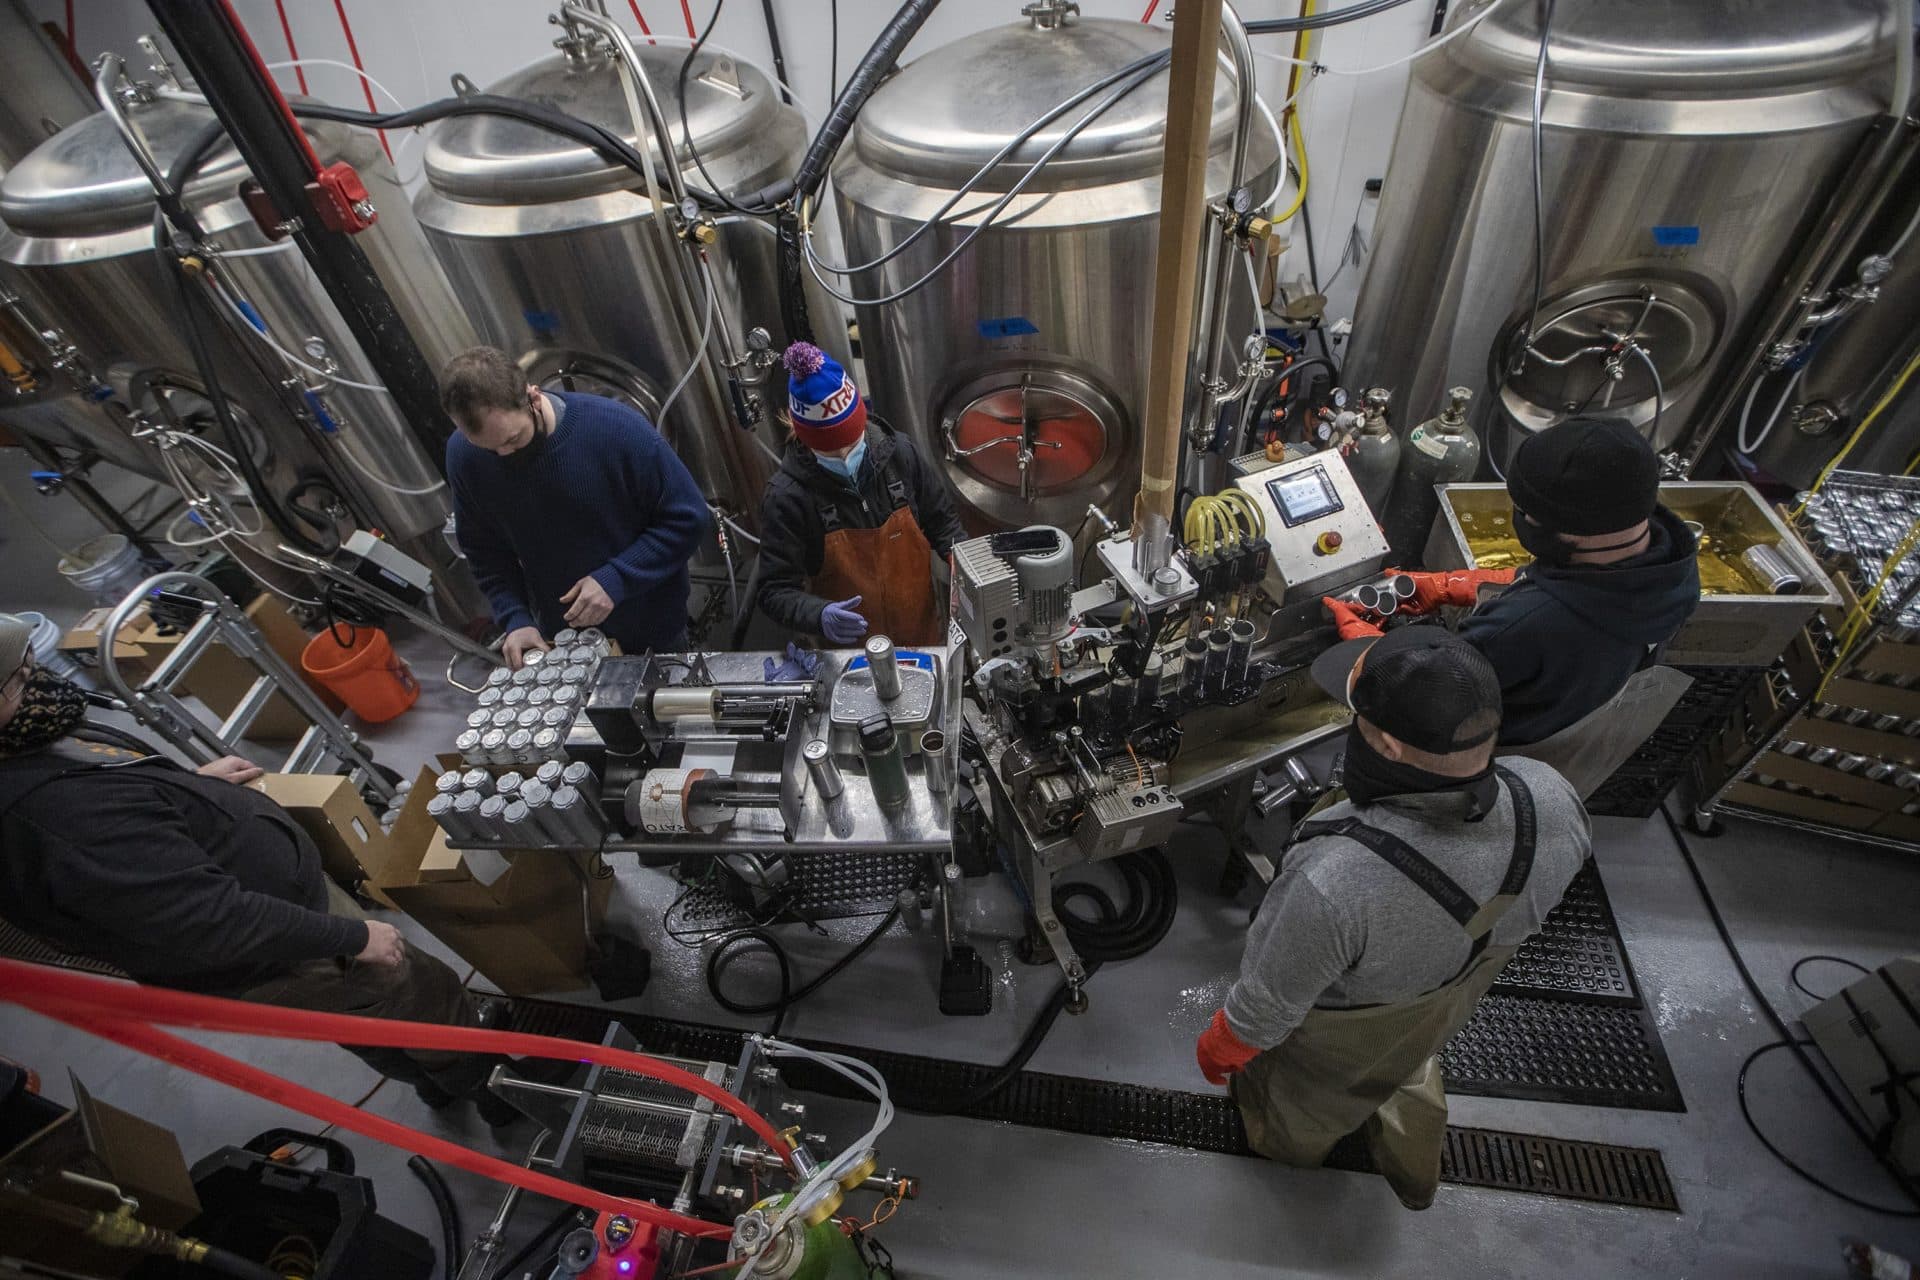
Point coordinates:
[[686, 11], [366, 86], [124, 1012], [640, 18], [240, 1075], [273, 86], [1148, 15], [293, 50]]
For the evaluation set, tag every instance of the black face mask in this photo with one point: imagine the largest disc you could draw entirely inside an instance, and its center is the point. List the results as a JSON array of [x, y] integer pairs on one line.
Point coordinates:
[[1546, 546], [1370, 776], [536, 447], [50, 709]]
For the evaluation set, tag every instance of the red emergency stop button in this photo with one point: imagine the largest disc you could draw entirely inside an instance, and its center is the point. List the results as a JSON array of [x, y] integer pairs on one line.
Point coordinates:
[[1327, 543]]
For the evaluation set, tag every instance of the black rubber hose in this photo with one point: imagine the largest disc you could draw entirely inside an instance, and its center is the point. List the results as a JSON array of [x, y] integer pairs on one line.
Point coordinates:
[[736, 945], [1110, 935], [874, 67], [779, 54], [553, 120], [449, 1212]]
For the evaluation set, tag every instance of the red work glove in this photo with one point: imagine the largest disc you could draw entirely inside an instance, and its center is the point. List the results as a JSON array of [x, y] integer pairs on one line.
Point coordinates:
[[1347, 620], [1221, 1053], [1456, 587]]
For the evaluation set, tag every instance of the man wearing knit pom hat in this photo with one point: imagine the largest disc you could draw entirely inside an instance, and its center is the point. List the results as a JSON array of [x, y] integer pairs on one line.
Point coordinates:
[[852, 520]]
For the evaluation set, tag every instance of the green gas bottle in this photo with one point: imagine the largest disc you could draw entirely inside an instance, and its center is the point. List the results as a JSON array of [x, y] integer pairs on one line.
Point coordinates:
[[802, 1251], [1441, 450]]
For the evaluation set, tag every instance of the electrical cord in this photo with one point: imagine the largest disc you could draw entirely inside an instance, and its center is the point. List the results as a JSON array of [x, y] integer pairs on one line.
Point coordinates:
[[736, 945], [1793, 975], [446, 1209], [686, 132], [1787, 1041]]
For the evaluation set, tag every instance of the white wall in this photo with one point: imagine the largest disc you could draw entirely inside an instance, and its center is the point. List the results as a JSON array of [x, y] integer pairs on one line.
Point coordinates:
[[413, 46]]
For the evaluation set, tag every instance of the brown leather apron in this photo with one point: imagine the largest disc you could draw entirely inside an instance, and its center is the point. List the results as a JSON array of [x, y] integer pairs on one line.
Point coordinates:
[[890, 568]]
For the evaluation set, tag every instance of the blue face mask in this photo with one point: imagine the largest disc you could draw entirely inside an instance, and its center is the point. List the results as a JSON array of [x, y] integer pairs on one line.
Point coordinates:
[[848, 467]]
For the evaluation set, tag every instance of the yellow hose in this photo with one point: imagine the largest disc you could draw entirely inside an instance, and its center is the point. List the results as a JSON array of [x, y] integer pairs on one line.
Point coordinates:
[[1301, 42], [1873, 415]]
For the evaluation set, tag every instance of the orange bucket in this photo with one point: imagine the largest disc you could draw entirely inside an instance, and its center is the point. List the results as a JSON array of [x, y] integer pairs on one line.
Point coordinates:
[[365, 673]]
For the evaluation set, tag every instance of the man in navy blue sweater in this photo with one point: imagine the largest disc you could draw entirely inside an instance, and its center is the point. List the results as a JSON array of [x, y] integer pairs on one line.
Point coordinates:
[[571, 509]]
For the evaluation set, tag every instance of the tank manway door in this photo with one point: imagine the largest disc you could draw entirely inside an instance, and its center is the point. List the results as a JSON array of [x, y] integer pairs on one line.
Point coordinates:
[[1017, 436]]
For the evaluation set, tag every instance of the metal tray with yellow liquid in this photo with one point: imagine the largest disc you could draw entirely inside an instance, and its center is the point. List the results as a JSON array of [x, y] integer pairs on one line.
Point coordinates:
[[1737, 623]]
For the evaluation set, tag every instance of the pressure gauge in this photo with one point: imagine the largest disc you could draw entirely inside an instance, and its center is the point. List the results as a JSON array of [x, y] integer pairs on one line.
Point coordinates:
[[1241, 200], [690, 209]]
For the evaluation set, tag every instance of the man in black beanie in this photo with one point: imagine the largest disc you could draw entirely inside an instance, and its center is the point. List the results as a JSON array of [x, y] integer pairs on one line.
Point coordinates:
[[1613, 578]]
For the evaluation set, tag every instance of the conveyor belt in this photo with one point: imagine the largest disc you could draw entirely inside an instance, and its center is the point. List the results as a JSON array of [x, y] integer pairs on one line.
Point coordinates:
[[1488, 1158]]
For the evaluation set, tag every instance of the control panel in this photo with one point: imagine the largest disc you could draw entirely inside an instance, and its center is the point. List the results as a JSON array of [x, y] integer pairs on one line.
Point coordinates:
[[1323, 534]]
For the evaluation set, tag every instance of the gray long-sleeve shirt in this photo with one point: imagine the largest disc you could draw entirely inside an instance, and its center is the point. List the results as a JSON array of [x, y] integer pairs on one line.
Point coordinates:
[[1341, 927]]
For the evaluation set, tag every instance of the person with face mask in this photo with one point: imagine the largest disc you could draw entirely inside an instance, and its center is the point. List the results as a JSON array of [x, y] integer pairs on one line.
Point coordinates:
[[1394, 910], [571, 509], [194, 880], [852, 522], [1577, 635]]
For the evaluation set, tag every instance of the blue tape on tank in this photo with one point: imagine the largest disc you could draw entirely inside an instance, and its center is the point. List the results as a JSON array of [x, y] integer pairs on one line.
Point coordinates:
[[1676, 237], [1007, 327]]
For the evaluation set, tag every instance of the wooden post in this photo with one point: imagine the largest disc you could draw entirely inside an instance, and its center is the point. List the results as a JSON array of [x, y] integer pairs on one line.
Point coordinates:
[[1176, 276]]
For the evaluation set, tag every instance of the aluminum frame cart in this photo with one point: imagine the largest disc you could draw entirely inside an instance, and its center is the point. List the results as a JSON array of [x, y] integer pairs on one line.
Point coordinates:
[[155, 703]]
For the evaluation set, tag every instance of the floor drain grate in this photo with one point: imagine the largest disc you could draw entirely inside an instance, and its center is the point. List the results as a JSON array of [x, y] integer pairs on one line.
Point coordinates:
[[1486, 1158]]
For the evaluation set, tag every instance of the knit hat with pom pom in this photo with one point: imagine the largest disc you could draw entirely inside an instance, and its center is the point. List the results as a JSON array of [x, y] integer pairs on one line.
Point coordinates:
[[827, 409]]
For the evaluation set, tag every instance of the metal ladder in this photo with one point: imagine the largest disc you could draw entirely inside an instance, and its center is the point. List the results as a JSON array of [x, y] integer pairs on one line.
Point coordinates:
[[155, 704]]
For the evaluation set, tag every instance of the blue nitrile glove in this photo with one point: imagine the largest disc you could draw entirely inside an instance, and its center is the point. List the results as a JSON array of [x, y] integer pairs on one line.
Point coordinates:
[[841, 623], [799, 665]]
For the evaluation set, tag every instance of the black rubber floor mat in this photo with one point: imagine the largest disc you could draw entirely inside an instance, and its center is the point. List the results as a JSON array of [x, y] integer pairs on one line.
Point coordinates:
[[833, 884], [1578, 951], [1167, 1117], [1558, 1050]]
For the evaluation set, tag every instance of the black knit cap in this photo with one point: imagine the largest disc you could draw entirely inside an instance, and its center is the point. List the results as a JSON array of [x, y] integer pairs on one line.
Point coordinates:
[[1585, 476], [1422, 684]]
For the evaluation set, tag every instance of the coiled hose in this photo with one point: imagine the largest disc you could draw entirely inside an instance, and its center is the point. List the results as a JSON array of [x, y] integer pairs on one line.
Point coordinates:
[[448, 1211], [1110, 934]]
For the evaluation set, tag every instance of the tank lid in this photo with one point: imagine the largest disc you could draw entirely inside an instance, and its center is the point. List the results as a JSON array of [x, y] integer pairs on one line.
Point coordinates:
[[951, 110], [1698, 50], [84, 181], [498, 160]]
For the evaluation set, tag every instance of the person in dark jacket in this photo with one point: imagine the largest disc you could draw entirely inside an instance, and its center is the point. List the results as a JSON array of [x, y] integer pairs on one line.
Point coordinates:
[[852, 520], [1613, 577], [571, 509], [195, 881]]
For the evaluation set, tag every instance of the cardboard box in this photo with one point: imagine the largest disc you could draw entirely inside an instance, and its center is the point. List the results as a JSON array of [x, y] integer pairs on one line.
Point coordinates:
[[1858, 1045], [329, 809], [82, 643], [526, 931], [103, 1142]]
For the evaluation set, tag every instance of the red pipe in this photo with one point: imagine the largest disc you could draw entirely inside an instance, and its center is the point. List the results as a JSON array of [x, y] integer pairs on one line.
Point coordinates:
[[240, 1075], [293, 50], [273, 86], [686, 11], [1148, 15], [366, 87], [638, 17]]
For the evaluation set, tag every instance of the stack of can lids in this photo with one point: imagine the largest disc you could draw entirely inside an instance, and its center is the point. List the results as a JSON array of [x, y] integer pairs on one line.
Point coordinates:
[[1866, 520], [523, 717]]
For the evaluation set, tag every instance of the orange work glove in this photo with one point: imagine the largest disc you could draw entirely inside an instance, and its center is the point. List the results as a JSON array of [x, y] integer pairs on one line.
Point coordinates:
[[1220, 1052], [1347, 620], [1456, 587]]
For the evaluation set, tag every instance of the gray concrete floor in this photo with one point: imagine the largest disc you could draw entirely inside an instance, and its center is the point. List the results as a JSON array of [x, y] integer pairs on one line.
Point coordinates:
[[1000, 1200]]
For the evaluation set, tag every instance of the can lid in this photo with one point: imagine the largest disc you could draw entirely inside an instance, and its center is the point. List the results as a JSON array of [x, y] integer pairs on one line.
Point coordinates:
[[440, 804], [815, 750], [492, 806], [578, 772], [565, 797], [468, 801], [876, 733], [549, 772]]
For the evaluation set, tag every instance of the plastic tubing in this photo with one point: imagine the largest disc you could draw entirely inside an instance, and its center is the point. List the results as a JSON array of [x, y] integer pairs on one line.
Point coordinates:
[[123, 1012]]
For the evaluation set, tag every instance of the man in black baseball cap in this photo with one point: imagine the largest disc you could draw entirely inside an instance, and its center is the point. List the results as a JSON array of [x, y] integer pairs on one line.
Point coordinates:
[[1393, 912]]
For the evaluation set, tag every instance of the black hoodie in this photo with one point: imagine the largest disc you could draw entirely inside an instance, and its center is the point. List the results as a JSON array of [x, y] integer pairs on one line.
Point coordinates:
[[1564, 639], [793, 535]]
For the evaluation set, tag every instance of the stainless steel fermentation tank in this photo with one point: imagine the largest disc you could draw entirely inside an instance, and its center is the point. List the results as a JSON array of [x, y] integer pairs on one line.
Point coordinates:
[[1687, 151], [1042, 327], [553, 251], [93, 310], [43, 93]]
